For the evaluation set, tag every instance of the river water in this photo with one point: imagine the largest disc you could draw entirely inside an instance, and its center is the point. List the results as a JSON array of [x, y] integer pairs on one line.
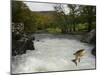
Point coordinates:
[[53, 52]]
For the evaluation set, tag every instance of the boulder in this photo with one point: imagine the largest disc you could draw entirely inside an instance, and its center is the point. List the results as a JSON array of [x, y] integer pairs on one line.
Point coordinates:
[[94, 51], [90, 37], [21, 43]]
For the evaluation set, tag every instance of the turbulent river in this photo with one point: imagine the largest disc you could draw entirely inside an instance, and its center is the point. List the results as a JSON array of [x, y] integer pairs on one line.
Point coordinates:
[[53, 53]]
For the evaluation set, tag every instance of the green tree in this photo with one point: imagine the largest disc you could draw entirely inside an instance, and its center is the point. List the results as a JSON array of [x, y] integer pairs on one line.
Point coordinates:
[[88, 15], [21, 13], [73, 13], [61, 17]]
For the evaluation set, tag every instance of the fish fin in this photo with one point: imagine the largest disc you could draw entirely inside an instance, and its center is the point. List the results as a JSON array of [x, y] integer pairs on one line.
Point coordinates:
[[74, 61]]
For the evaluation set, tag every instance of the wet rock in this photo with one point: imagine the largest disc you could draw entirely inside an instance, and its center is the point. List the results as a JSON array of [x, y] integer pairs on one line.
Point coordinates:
[[94, 51], [38, 40], [29, 45], [21, 43], [18, 47], [90, 37], [16, 36]]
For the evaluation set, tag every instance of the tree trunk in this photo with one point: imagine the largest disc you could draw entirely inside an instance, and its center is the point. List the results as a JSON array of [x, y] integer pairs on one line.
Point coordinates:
[[63, 30], [74, 27], [89, 25]]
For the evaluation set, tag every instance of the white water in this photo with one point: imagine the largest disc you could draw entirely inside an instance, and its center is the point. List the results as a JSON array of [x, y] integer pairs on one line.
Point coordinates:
[[53, 53]]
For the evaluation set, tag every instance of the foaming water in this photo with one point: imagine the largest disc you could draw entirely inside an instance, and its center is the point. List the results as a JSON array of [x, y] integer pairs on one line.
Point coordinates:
[[53, 53]]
